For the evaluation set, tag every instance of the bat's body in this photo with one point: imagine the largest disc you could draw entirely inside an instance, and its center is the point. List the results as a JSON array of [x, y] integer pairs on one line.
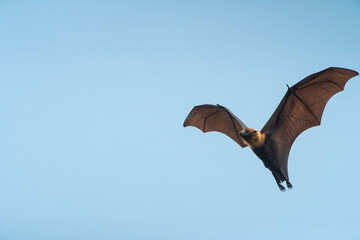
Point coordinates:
[[300, 109], [266, 150]]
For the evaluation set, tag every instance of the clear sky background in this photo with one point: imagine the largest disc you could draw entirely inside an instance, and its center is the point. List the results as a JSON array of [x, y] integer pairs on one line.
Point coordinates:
[[93, 95]]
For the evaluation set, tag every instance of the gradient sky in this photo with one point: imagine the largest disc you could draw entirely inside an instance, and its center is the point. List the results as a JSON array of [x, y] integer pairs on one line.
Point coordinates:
[[93, 95]]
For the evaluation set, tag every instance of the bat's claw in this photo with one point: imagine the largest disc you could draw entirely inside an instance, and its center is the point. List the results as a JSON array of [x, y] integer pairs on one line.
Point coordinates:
[[289, 186], [282, 188]]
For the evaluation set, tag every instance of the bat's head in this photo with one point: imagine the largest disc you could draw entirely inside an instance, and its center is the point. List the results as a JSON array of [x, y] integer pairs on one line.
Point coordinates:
[[252, 138]]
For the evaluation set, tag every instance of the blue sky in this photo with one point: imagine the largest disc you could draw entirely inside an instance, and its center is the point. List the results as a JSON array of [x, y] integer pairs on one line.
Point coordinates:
[[93, 95]]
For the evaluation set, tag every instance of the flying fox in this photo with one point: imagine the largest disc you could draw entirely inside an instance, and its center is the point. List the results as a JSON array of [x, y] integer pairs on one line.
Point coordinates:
[[301, 108]]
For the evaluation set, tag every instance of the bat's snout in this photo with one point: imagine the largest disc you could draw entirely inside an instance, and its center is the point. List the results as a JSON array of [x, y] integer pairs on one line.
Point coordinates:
[[247, 132]]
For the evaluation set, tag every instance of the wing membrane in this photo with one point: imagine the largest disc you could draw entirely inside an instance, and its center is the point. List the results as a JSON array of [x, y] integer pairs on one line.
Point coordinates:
[[304, 103], [216, 118], [302, 108]]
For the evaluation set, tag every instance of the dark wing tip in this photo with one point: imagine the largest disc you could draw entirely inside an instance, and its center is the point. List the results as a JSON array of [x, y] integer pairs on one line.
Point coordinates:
[[187, 119], [345, 71]]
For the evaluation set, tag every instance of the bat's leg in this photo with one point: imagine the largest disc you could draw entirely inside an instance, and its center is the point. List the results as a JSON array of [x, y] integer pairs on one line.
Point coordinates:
[[278, 182], [283, 178], [288, 184]]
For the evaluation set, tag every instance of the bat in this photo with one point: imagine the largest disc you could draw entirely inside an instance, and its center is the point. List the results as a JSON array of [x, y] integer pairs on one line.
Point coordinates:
[[301, 108]]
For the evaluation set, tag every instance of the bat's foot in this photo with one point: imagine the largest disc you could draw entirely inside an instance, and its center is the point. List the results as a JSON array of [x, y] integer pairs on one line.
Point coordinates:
[[282, 188], [289, 186]]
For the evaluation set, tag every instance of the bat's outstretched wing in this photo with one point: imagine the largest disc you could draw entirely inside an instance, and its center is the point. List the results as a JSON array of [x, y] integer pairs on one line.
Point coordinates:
[[216, 118], [302, 108]]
